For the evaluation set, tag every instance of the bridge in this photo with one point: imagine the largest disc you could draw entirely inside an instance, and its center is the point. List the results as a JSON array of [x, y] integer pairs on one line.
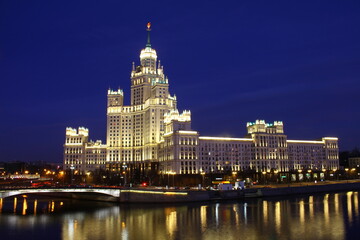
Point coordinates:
[[110, 192]]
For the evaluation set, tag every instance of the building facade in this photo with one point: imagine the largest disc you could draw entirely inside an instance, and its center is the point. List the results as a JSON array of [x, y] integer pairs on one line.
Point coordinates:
[[152, 132]]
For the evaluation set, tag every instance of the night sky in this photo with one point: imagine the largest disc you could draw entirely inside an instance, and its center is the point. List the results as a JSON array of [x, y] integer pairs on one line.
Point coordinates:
[[229, 62]]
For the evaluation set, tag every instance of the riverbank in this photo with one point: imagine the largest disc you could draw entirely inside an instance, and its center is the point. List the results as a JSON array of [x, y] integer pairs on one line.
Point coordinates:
[[162, 196]]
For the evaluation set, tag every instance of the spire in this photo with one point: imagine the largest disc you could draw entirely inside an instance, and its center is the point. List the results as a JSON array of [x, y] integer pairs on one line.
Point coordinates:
[[148, 44]]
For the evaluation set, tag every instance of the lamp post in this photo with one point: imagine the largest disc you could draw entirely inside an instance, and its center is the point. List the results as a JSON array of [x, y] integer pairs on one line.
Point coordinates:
[[324, 172], [168, 181], [275, 174], [124, 172], [234, 176], [87, 180], [353, 170], [71, 173], [173, 178], [346, 173], [202, 178], [309, 172], [264, 176]]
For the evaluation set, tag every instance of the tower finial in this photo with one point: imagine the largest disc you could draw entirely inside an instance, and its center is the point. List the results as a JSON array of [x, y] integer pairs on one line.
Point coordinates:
[[148, 29]]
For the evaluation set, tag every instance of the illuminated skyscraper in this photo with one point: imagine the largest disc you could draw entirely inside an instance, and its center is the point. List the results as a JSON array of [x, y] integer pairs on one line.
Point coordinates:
[[151, 133], [133, 132]]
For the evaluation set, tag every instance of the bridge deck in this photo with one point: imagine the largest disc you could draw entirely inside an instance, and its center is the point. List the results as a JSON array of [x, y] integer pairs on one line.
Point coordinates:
[[113, 192]]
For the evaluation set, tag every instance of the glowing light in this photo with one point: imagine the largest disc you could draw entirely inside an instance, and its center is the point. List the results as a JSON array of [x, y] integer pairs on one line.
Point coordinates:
[[156, 192], [330, 138], [15, 204], [277, 216], [52, 206], [24, 207], [265, 211], [35, 206], [226, 139], [304, 141], [302, 211], [188, 132], [349, 205], [148, 25], [203, 216]]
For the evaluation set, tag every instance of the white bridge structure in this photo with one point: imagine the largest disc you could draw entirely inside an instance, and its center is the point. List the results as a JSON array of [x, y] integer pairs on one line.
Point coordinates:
[[111, 192]]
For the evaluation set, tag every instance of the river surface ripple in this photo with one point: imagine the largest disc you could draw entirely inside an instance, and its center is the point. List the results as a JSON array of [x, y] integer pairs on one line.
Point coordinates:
[[320, 216]]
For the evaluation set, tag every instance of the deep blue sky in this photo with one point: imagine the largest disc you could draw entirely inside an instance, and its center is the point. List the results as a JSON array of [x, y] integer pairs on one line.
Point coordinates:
[[229, 62]]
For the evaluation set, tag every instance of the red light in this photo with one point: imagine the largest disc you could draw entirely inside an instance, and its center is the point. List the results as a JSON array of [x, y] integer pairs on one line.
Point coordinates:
[[144, 184]]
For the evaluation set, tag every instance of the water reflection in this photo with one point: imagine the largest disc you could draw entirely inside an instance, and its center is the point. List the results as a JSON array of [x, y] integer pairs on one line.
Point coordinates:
[[325, 216]]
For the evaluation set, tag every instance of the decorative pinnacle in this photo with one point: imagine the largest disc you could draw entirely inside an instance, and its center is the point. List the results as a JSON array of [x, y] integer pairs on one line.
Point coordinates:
[[148, 29]]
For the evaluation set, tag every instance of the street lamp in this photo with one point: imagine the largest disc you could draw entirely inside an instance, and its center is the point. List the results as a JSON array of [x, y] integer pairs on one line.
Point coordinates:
[[275, 175], [264, 174], [202, 177], [71, 172], [173, 177], [124, 172], [87, 176]]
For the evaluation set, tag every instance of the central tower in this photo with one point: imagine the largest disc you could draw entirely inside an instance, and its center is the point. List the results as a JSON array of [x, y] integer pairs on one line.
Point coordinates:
[[134, 131]]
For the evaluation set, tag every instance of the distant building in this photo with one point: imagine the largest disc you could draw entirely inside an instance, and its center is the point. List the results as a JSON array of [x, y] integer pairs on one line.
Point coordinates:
[[82, 154], [354, 162], [152, 132]]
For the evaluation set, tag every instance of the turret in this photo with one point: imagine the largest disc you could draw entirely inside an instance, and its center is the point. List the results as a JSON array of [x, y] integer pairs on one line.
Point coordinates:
[[175, 121], [115, 98]]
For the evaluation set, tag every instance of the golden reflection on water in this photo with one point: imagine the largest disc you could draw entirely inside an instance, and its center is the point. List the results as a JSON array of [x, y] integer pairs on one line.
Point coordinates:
[[265, 211], [313, 217], [311, 207], [236, 213], [302, 211], [52, 206], [1, 204], [356, 203], [171, 223], [15, 204], [277, 216], [336, 202], [326, 208], [35, 206], [349, 205], [24, 207], [203, 216]]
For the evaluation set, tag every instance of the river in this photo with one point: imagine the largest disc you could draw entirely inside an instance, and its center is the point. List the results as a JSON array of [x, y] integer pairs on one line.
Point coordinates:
[[321, 216]]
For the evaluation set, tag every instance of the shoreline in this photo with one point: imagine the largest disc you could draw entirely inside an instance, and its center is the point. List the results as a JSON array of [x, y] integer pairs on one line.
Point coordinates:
[[166, 196], [161, 195]]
